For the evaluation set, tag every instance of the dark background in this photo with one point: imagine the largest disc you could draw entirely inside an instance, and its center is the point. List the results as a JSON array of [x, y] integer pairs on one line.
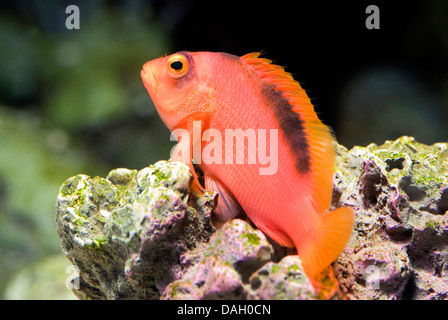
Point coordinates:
[[324, 44], [327, 47], [71, 101]]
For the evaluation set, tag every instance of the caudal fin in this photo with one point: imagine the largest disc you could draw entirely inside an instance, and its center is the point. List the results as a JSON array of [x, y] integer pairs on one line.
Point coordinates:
[[327, 241]]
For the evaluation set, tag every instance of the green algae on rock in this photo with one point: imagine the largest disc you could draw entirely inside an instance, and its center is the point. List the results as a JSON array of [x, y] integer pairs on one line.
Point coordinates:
[[122, 233], [239, 264], [228, 257], [284, 280], [399, 192], [145, 235]]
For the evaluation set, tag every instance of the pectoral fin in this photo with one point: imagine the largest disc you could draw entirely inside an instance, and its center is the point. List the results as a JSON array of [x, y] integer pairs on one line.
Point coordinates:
[[228, 207], [182, 155]]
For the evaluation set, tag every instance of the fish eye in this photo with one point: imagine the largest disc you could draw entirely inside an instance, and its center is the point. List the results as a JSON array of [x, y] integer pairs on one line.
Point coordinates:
[[177, 65]]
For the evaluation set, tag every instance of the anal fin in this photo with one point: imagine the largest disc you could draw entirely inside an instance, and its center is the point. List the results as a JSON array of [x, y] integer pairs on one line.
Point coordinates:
[[228, 207]]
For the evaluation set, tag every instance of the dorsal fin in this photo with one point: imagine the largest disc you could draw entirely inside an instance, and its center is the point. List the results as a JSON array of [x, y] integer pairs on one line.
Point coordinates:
[[319, 138]]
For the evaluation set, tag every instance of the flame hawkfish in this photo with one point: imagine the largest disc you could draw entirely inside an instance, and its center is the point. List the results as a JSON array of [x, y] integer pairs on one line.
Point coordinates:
[[213, 95]]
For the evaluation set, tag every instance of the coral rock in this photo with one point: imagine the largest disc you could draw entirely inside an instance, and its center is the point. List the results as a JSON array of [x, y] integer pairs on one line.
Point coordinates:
[[145, 235], [399, 245], [126, 233]]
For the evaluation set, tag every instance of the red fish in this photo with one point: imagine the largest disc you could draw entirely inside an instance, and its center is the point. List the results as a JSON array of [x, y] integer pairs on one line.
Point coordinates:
[[282, 178]]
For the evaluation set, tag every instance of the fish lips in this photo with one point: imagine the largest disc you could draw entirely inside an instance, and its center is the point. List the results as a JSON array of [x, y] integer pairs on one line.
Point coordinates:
[[149, 79]]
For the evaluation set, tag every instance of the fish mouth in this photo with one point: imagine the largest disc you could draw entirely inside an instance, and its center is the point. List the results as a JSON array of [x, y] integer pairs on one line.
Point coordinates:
[[149, 79]]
